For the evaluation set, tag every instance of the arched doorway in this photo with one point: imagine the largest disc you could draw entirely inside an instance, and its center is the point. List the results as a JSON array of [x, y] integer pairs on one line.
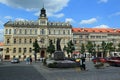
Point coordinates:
[[42, 54]]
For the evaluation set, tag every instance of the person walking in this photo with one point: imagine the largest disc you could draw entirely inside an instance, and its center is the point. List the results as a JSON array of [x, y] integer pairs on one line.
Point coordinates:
[[30, 60], [83, 65]]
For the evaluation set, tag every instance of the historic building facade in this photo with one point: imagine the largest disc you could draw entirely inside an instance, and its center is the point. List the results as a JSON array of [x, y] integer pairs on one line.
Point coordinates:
[[96, 36], [20, 35]]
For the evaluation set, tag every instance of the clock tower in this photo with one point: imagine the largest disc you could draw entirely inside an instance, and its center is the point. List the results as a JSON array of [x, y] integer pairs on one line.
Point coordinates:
[[43, 18]]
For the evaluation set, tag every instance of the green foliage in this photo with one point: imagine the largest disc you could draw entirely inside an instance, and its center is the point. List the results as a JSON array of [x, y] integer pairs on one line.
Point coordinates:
[[82, 49], [51, 47], [70, 47], [36, 46], [89, 46], [110, 47], [118, 47]]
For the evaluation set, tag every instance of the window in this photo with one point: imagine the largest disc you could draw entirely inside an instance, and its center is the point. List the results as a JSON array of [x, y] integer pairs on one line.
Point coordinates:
[[35, 31], [42, 32], [24, 50], [87, 37], [8, 41], [30, 41], [63, 31], [30, 31], [54, 31], [25, 41], [19, 56], [19, 40], [30, 50], [7, 50], [14, 50], [14, 41], [93, 37], [68, 31], [15, 31], [59, 32], [20, 31], [9, 31], [25, 31], [42, 22], [49, 32], [6, 31], [19, 50]]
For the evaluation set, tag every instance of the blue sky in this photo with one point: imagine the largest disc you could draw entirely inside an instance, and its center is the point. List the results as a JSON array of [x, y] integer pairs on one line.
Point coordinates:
[[81, 13]]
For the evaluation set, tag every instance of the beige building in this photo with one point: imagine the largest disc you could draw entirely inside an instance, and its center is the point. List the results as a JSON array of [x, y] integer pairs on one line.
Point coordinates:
[[96, 36], [20, 35]]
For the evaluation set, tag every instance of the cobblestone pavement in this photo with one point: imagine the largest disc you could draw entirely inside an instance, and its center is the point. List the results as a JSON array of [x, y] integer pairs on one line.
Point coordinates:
[[107, 73]]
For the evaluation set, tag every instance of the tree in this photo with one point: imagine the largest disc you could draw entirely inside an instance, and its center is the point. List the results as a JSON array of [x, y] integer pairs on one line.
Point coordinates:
[[51, 48], [70, 47], [110, 47], [118, 47], [36, 48], [104, 47], [82, 49], [90, 47]]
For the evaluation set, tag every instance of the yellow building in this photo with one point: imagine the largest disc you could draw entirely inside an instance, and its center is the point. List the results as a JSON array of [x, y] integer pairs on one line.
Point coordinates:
[[19, 36]]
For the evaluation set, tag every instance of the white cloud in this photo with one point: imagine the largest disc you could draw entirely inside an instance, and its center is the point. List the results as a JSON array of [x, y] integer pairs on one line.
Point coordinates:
[[115, 14], [52, 6], [102, 1], [20, 19], [69, 20], [1, 23], [8, 17], [89, 21], [102, 26]]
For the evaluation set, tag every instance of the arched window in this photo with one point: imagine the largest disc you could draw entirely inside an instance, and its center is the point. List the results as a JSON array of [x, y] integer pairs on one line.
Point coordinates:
[[9, 31]]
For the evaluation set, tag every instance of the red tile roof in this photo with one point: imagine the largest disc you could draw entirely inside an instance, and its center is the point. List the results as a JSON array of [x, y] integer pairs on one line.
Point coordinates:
[[1, 44], [101, 30]]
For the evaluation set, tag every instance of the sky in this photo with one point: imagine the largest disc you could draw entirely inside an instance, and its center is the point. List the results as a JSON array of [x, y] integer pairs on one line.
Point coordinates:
[[80, 13]]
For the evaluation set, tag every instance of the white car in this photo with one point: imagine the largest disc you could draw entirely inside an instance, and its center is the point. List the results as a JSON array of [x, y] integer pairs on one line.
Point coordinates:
[[15, 60]]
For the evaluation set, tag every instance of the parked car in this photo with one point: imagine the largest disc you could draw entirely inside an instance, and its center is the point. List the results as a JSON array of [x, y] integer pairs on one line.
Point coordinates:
[[15, 60], [99, 59], [114, 61]]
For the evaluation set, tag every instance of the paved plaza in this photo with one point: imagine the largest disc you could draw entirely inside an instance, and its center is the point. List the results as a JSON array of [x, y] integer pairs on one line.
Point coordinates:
[[36, 71]]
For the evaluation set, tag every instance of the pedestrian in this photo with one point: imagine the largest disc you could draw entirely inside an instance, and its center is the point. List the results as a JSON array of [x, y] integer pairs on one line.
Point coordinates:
[[83, 63], [30, 60]]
